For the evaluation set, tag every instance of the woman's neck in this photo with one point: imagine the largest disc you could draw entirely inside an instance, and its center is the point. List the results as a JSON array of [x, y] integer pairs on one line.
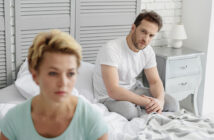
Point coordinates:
[[47, 108]]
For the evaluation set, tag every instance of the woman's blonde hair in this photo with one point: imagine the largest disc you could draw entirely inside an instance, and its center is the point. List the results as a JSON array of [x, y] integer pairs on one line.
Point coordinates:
[[52, 41]]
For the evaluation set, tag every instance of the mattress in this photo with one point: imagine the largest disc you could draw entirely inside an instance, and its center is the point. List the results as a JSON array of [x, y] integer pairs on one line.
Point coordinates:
[[11, 95]]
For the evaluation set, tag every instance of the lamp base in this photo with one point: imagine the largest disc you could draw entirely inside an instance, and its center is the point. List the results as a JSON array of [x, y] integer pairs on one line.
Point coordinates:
[[177, 44]]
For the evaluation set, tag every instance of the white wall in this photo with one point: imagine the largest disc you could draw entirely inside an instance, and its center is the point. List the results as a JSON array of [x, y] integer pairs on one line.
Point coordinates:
[[196, 18], [170, 10], [209, 73]]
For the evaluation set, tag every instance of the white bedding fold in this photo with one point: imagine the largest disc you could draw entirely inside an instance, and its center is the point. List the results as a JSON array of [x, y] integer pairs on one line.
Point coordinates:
[[166, 126]]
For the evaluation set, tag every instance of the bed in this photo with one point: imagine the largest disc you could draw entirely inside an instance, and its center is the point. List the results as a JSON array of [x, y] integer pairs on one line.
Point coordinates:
[[165, 126]]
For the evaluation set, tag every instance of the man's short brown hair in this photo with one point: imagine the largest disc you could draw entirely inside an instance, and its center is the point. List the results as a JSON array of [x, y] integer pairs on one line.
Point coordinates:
[[149, 16]]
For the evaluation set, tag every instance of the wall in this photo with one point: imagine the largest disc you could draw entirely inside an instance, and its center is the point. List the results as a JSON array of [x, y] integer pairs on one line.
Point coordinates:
[[171, 12], [209, 75], [196, 19]]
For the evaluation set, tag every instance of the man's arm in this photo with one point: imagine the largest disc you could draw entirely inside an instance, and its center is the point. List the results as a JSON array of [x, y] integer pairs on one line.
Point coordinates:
[[155, 85], [115, 91]]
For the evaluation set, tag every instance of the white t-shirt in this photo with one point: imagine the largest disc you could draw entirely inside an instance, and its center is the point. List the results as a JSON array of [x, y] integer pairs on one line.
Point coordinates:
[[129, 64]]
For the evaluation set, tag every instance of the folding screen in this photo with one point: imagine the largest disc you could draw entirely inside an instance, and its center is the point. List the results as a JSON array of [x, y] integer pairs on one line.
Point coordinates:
[[33, 16], [91, 22], [5, 52], [98, 21]]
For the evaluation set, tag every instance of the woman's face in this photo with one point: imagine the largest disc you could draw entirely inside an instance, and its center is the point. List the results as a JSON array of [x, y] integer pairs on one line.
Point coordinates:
[[56, 76]]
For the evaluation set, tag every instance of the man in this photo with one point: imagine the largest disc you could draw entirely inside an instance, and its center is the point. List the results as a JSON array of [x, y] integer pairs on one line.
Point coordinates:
[[118, 64]]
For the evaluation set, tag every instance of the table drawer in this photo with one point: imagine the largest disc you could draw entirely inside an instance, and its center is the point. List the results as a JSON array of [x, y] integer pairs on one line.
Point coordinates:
[[182, 95], [182, 67], [180, 84]]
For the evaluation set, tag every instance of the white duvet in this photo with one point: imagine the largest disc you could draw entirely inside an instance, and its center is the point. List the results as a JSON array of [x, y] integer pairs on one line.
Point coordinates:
[[166, 126]]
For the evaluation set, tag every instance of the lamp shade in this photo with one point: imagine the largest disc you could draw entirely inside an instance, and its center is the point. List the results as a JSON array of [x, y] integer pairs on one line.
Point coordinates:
[[178, 32]]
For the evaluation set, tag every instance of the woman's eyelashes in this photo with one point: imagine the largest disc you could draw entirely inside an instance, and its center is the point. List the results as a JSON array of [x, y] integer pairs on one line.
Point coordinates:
[[69, 74]]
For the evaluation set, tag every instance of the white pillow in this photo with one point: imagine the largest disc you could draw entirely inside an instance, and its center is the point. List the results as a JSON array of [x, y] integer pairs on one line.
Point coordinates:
[[24, 82], [84, 80], [28, 88]]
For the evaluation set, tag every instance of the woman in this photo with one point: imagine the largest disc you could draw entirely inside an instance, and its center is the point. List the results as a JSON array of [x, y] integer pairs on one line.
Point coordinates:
[[54, 114]]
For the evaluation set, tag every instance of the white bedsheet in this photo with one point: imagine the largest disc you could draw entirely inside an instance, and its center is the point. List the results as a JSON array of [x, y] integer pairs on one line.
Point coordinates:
[[11, 95], [166, 126]]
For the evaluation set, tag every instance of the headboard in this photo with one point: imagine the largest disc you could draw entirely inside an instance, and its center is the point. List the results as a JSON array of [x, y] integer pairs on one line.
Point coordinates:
[[90, 22]]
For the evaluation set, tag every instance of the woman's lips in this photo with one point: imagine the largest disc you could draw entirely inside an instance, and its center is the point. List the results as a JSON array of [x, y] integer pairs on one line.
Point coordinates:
[[60, 92]]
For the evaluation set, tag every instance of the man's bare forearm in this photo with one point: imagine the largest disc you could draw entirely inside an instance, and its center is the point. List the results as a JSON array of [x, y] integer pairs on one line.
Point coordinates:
[[115, 91], [157, 90]]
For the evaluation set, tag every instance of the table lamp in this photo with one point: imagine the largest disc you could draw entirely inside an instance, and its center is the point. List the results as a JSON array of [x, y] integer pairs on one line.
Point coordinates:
[[177, 35]]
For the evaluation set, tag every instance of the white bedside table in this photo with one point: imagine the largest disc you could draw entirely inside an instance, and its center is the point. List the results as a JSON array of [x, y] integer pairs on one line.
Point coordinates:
[[180, 71]]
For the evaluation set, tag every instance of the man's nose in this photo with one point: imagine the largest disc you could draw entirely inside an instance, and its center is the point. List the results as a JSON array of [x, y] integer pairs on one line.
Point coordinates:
[[147, 38]]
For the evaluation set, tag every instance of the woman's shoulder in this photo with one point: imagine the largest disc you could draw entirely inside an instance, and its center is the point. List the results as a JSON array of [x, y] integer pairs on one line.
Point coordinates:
[[18, 109], [91, 119], [15, 117], [83, 104], [85, 107], [87, 110]]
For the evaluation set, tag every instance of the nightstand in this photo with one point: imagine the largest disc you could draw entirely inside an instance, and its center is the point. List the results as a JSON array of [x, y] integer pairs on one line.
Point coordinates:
[[180, 71]]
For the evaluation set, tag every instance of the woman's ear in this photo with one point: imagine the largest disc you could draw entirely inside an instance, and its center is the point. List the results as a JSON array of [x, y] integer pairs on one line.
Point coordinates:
[[34, 74]]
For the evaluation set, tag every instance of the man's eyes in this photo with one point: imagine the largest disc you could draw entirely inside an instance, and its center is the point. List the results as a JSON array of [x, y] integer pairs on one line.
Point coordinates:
[[143, 31]]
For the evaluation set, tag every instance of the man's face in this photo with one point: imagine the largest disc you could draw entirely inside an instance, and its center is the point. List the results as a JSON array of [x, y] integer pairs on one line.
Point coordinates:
[[143, 34]]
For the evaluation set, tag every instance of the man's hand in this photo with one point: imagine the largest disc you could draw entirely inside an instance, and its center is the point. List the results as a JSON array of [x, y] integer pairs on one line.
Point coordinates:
[[155, 105], [156, 90]]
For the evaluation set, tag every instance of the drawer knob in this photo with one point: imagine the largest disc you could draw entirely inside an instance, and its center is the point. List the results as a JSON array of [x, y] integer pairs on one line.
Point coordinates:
[[184, 67], [183, 83]]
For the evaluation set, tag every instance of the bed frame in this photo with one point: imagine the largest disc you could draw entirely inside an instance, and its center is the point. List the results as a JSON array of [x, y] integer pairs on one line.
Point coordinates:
[[90, 22]]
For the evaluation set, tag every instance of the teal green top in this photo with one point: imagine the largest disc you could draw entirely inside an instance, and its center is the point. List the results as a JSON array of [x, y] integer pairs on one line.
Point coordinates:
[[87, 124]]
